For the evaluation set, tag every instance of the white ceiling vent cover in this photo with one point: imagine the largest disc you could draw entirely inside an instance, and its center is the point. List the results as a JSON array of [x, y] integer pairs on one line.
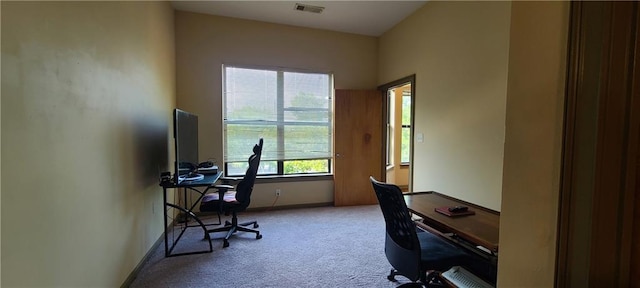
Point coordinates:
[[308, 8]]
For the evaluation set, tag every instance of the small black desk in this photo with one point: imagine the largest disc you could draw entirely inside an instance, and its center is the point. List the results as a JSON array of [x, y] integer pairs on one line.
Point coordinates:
[[199, 187]]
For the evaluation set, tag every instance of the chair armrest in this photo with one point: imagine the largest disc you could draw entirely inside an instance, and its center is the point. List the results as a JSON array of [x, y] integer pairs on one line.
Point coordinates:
[[223, 186], [230, 179]]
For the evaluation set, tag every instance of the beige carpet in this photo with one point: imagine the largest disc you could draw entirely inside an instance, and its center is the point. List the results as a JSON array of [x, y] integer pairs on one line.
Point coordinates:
[[311, 247]]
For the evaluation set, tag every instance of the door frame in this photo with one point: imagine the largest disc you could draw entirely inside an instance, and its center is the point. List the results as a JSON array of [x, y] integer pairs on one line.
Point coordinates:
[[384, 88], [612, 182]]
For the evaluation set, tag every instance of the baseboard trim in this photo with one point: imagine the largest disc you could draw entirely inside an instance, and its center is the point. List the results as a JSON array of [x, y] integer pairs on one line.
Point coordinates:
[[285, 207], [134, 273]]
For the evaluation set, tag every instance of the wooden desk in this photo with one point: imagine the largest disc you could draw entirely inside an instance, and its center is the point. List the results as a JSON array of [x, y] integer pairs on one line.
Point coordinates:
[[479, 229]]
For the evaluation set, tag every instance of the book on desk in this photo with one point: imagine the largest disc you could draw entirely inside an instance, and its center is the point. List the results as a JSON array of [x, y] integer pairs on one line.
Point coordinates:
[[454, 211]]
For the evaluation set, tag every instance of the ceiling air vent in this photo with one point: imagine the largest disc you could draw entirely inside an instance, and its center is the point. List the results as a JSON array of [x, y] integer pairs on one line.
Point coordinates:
[[308, 8]]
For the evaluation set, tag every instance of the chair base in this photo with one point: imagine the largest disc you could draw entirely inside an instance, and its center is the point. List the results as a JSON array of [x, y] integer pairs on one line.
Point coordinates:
[[233, 227], [431, 279]]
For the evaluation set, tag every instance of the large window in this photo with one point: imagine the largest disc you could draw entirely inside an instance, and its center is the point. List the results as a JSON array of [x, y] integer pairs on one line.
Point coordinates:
[[291, 111]]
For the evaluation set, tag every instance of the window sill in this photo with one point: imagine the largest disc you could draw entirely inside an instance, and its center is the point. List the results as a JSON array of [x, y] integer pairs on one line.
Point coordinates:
[[293, 178]]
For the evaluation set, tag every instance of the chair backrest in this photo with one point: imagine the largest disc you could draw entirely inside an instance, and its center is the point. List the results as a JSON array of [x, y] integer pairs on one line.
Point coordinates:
[[245, 187], [402, 246]]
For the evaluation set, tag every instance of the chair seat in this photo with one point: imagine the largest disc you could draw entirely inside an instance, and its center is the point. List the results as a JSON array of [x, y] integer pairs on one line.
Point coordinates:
[[211, 201], [437, 253], [229, 196]]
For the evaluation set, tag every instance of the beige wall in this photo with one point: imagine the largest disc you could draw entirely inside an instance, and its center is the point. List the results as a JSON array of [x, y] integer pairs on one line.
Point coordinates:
[[459, 53], [535, 105], [204, 43], [87, 93]]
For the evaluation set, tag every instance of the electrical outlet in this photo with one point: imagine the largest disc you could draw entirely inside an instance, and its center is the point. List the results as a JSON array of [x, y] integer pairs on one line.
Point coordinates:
[[278, 192]]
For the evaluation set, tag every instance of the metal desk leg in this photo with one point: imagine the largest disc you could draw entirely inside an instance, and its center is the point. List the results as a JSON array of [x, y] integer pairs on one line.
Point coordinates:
[[204, 228]]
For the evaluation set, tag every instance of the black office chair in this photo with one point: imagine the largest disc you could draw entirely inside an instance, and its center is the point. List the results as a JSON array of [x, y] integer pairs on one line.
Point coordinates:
[[413, 254], [234, 201]]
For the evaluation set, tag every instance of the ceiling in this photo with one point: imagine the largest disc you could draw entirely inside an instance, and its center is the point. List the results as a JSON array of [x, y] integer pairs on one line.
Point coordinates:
[[371, 18]]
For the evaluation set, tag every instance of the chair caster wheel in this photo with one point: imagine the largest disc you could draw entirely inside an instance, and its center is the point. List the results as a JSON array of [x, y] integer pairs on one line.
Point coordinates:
[[256, 225], [225, 244], [258, 236], [392, 276]]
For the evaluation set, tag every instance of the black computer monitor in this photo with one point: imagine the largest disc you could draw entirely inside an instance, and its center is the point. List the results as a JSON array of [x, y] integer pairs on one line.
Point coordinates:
[[185, 134]]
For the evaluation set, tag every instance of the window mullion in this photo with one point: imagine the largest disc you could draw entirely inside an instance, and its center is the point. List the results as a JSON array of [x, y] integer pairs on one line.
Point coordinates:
[[330, 119], [280, 117]]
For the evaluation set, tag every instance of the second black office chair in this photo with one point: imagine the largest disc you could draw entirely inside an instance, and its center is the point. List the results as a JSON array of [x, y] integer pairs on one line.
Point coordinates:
[[234, 201], [411, 253]]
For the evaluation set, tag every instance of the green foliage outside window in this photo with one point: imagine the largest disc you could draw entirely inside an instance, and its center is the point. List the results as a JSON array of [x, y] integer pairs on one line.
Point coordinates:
[[406, 129], [306, 166]]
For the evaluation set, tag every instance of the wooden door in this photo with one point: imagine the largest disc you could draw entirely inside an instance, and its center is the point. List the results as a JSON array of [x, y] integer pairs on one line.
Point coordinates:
[[358, 145]]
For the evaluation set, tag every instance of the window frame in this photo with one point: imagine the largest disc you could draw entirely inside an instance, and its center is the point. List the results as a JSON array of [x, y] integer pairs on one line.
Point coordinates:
[[281, 123]]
